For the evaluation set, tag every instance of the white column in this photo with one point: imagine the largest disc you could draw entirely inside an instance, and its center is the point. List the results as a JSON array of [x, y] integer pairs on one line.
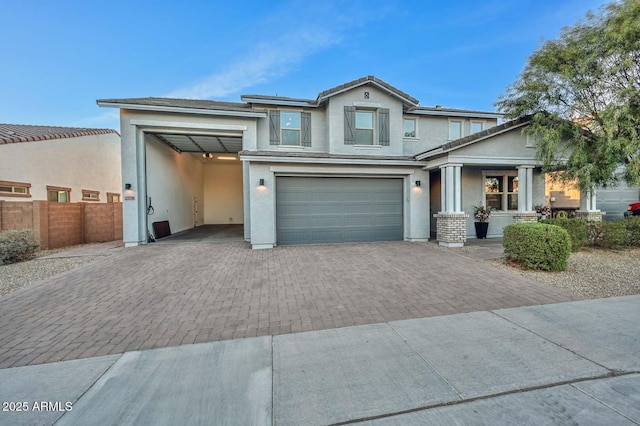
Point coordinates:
[[525, 188], [450, 189], [588, 201], [529, 189], [443, 188], [522, 189], [458, 188]]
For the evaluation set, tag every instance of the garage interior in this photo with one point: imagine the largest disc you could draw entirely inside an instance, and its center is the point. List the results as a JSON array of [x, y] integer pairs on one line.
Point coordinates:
[[194, 181]]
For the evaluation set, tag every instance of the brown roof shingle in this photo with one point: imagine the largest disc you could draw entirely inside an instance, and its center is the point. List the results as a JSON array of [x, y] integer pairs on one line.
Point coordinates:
[[14, 133]]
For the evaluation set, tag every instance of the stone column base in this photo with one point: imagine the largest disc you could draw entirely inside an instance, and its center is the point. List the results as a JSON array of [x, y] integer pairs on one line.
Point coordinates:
[[525, 217], [451, 229], [590, 215]]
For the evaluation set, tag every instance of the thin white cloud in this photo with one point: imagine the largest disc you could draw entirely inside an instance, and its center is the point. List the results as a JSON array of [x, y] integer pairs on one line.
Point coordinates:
[[266, 61], [326, 26]]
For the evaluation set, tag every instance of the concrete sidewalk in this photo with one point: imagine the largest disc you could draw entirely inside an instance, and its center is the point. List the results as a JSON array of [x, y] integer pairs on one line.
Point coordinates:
[[566, 363]]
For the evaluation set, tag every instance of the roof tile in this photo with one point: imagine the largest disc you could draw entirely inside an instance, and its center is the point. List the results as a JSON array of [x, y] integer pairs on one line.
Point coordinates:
[[16, 133]]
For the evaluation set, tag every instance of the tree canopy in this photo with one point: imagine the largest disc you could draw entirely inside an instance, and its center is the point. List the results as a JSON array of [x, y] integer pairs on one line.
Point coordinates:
[[583, 92]]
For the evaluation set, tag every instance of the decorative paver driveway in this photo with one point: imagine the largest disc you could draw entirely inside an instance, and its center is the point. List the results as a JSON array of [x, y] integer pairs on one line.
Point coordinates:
[[173, 294]]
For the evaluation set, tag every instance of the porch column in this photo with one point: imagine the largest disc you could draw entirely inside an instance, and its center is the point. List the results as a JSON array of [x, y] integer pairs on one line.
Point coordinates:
[[588, 206], [525, 189], [525, 196], [451, 221]]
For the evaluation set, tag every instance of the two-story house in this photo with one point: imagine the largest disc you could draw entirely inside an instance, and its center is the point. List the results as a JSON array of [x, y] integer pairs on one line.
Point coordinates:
[[361, 162]]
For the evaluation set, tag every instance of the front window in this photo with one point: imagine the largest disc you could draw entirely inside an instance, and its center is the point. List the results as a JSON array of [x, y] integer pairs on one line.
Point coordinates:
[[455, 130], [364, 127], [501, 192], [290, 128], [409, 128]]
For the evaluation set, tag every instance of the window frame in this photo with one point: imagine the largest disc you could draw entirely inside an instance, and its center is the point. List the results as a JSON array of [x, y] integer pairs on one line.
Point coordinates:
[[373, 114], [111, 196], [461, 122], [88, 195], [13, 186], [58, 190], [482, 123], [505, 193], [283, 129], [415, 127]]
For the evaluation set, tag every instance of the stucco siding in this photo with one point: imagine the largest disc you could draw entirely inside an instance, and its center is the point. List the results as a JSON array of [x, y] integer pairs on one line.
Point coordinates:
[[85, 162], [173, 181], [223, 198]]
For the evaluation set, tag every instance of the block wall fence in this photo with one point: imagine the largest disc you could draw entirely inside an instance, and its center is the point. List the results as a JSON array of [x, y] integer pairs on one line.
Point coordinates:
[[58, 225]]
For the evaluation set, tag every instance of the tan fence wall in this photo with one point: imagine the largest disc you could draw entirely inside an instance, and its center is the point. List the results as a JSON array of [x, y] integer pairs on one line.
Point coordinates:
[[63, 224]]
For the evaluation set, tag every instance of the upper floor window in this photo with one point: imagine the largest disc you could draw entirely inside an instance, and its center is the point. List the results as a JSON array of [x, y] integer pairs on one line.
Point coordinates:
[[57, 194], [501, 191], [455, 129], [409, 127], [15, 189], [289, 128], [477, 126], [364, 127]]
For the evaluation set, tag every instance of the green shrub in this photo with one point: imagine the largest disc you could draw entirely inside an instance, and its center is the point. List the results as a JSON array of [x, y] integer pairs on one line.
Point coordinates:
[[16, 246], [612, 234], [633, 230], [578, 230], [537, 245]]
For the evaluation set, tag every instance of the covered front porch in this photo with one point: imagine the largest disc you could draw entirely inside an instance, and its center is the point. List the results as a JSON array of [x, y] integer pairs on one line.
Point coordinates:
[[495, 168]]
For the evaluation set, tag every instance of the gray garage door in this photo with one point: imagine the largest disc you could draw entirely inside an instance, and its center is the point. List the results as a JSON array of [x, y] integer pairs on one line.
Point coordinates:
[[335, 210]]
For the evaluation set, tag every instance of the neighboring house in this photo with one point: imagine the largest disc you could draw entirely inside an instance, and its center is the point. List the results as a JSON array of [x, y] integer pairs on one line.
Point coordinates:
[[361, 162], [59, 164]]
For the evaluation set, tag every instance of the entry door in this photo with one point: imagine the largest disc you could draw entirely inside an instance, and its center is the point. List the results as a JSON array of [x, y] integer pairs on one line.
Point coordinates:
[[334, 210]]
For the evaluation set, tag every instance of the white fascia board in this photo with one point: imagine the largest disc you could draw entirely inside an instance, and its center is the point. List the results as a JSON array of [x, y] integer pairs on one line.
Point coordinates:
[[372, 82], [341, 171], [480, 161], [183, 110], [457, 114], [280, 102], [308, 160], [176, 125]]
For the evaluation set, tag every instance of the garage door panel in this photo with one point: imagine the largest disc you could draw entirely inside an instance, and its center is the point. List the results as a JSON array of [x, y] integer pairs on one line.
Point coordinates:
[[325, 210]]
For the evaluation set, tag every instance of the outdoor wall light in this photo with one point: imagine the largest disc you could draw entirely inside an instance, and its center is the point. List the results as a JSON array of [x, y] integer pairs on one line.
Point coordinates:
[[127, 186], [418, 183], [261, 182]]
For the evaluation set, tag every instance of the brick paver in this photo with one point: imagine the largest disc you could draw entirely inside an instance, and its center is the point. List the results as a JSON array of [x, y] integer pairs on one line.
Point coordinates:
[[175, 294]]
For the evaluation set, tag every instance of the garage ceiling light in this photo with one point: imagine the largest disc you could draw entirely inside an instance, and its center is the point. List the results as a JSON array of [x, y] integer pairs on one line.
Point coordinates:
[[207, 155], [226, 157]]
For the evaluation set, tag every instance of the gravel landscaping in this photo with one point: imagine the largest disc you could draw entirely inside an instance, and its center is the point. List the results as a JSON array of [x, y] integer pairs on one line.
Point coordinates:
[[22, 274], [591, 274]]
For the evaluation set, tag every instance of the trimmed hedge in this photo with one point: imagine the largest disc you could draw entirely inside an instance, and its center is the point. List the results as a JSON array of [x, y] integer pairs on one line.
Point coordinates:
[[17, 246], [537, 245], [611, 234], [577, 229], [632, 224]]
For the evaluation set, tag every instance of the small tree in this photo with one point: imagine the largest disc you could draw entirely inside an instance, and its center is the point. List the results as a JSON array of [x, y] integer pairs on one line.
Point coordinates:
[[582, 92]]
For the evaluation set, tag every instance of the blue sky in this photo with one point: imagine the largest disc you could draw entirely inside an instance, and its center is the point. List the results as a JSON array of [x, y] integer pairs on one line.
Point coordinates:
[[60, 56]]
